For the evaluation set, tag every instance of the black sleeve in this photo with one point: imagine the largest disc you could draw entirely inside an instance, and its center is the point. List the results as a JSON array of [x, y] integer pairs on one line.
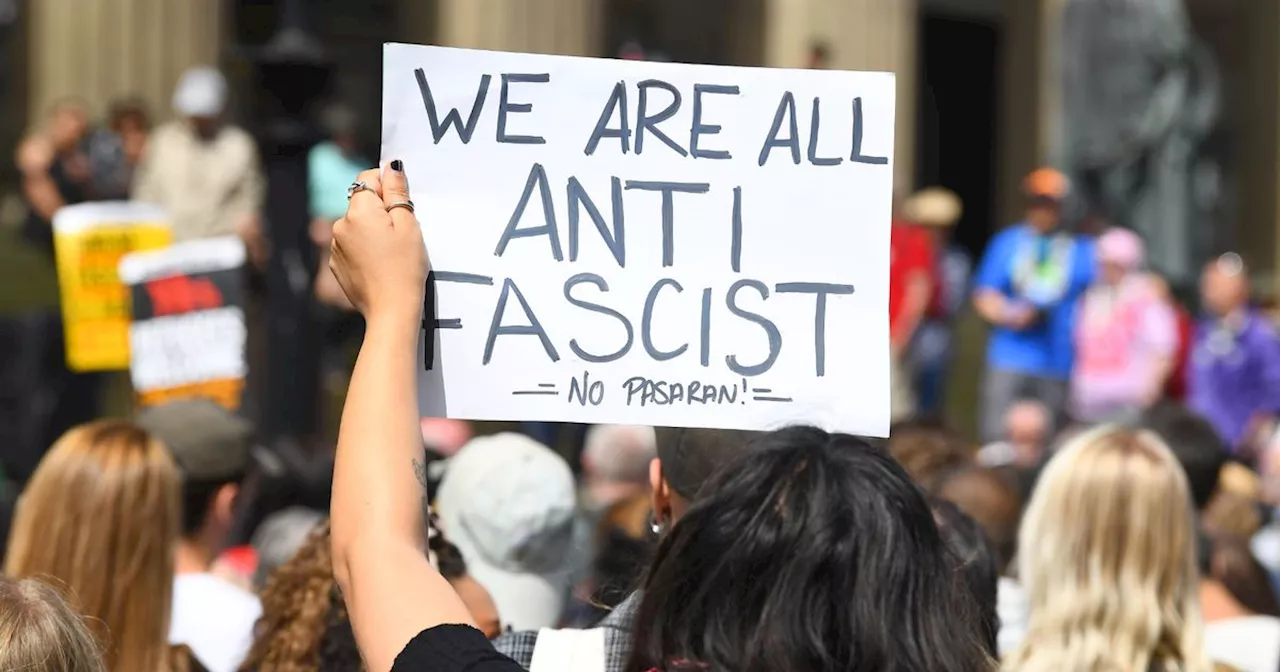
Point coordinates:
[[452, 648]]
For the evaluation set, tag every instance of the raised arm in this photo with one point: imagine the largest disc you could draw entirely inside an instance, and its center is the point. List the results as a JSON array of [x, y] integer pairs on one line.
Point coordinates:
[[379, 532], [34, 157]]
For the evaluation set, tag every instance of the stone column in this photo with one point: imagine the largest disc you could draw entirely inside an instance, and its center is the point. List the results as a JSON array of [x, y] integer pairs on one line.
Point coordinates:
[[108, 49], [862, 35], [565, 27]]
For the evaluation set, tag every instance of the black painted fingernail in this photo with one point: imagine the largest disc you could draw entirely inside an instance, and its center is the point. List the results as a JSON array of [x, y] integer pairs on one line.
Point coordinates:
[[397, 166]]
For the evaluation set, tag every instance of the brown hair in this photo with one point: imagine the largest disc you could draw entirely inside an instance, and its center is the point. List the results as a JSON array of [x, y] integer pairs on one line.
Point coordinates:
[[38, 631], [300, 605], [1243, 576], [928, 451], [100, 517]]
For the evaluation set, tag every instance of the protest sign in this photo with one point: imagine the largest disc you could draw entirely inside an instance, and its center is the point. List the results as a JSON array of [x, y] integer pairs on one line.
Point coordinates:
[[89, 240], [648, 243], [188, 333]]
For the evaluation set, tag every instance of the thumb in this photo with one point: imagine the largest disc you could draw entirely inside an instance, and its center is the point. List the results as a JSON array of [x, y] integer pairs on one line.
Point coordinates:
[[395, 190]]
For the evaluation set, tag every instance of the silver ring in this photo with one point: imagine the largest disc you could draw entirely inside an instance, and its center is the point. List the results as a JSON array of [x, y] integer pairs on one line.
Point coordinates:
[[407, 205], [358, 185]]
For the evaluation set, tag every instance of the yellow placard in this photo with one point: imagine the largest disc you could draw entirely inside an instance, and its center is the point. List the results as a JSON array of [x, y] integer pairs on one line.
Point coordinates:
[[95, 303]]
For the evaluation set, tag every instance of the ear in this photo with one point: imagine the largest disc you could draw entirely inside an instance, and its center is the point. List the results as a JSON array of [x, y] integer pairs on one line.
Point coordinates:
[[660, 492], [224, 504]]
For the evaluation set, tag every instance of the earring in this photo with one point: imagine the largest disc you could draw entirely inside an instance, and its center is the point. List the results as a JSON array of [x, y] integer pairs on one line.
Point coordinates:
[[654, 525]]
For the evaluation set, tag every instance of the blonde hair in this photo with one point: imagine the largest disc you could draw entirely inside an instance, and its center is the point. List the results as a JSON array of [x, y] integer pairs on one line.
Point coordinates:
[[38, 631], [1107, 556], [100, 518]]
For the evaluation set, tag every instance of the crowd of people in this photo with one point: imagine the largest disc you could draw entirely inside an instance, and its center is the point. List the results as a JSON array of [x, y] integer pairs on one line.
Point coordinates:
[[1080, 329], [1119, 513]]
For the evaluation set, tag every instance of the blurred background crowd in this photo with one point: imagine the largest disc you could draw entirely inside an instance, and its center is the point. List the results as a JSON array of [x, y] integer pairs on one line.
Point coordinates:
[[1084, 232]]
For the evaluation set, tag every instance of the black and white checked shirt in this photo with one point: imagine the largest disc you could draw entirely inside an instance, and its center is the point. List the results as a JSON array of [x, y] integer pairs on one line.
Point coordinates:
[[519, 646]]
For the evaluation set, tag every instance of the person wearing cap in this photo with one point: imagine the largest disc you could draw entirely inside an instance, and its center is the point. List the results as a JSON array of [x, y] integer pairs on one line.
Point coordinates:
[[911, 284], [1234, 376], [211, 447], [686, 459], [203, 170], [1027, 287], [1126, 336], [937, 210]]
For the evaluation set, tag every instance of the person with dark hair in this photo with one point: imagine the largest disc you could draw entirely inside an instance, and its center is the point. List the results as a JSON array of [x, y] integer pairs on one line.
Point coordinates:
[[819, 55], [687, 458], [991, 498], [211, 448], [975, 561], [1199, 449], [988, 498], [116, 151], [748, 579], [811, 551]]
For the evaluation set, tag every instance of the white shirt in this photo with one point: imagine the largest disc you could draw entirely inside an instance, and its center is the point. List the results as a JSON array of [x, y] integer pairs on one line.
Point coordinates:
[[1013, 609], [1251, 643], [214, 618]]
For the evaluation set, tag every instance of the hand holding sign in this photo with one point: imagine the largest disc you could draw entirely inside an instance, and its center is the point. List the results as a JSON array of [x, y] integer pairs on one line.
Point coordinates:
[[377, 251]]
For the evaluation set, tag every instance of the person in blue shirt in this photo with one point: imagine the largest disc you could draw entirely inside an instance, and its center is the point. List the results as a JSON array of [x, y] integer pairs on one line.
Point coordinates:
[[332, 166], [1027, 287]]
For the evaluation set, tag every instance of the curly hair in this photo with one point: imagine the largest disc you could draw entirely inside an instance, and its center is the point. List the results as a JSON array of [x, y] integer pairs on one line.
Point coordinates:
[[304, 626]]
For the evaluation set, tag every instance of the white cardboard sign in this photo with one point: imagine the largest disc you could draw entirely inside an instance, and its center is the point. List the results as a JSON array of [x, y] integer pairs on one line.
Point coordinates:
[[648, 243]]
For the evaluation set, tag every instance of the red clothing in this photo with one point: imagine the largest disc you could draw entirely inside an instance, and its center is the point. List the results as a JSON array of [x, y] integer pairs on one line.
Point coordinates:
[[1176, 388], [910, 252]]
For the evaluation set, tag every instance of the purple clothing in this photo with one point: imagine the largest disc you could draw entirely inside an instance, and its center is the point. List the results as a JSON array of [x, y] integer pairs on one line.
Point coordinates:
[[1234, 374]]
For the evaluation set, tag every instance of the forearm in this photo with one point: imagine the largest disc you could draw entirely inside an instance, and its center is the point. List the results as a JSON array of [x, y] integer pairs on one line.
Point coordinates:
[[1161, 369], [914, 306], [990, 304], [42, 197], [376, 495]]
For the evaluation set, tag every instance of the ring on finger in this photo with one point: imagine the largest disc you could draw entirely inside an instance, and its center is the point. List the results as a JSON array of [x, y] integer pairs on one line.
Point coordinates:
[[407, 205], [358, 185]]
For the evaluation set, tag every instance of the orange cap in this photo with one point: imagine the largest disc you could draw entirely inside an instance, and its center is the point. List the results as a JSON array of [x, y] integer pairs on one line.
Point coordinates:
[[1046, 183]]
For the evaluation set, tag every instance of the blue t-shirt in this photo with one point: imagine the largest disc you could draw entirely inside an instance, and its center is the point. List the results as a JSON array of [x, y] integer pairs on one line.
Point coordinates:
[[329, 173], [1050, 273]]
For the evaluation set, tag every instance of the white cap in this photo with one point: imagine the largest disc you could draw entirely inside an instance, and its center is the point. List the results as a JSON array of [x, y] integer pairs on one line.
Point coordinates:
[[202, 92], [508, 503]]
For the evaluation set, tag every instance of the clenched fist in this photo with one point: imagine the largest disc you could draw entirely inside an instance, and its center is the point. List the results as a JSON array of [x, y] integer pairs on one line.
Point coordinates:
[[377, 250]]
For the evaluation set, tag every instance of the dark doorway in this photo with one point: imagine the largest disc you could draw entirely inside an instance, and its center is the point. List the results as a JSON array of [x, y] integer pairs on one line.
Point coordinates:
[[956, 133]]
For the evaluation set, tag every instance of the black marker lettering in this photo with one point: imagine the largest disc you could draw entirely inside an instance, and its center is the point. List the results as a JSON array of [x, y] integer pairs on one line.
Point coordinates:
[[646, 122], [454, 117], [506, 107], [770, 329], [699, 129], [538, 178], [534, 328], [617, 101], [821, 290], [600, 284]]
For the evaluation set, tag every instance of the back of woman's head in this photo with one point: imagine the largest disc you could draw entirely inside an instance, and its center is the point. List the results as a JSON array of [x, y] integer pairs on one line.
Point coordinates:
[[813, 552], [100, 517], [1107, 556], [38, 631], [304, 625]]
